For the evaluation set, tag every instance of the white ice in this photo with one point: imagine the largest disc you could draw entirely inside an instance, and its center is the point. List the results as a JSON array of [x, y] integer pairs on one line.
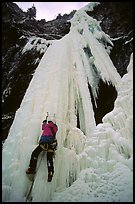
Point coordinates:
[[93, 163]]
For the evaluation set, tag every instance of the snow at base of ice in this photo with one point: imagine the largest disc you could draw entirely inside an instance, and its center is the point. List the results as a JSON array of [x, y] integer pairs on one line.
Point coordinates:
[[93, 163]]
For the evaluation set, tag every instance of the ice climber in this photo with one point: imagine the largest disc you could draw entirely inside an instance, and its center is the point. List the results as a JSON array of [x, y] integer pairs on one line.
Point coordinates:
[[47, 142]]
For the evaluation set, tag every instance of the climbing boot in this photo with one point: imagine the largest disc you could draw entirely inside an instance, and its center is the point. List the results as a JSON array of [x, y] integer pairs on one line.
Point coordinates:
[[50, 175], [30, 170]]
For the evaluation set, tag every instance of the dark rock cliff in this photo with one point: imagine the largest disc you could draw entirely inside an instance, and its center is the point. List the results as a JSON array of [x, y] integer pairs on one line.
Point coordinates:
[[19, 64]]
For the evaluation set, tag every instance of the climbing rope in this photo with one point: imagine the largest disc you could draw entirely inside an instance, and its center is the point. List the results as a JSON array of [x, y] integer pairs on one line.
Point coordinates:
[[30, 190]]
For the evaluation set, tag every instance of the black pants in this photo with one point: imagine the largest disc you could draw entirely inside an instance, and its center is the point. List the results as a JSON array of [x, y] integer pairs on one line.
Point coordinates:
[[34, 158]]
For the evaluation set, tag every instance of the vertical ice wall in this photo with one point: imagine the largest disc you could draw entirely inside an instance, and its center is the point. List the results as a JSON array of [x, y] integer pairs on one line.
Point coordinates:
[[60, 86]]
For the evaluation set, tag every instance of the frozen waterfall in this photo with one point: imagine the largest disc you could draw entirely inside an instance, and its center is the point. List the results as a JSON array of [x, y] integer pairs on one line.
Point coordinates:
[[92, 163]]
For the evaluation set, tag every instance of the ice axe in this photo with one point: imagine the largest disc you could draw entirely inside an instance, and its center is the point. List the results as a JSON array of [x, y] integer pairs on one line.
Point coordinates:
[[46, 119]]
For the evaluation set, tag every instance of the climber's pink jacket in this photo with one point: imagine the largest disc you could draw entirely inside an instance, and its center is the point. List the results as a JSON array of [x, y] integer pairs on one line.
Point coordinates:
[[49, 129]]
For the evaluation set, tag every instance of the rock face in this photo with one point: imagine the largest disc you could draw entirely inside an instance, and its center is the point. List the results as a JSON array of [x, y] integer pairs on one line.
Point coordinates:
[[19, 57], [24, 41]]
